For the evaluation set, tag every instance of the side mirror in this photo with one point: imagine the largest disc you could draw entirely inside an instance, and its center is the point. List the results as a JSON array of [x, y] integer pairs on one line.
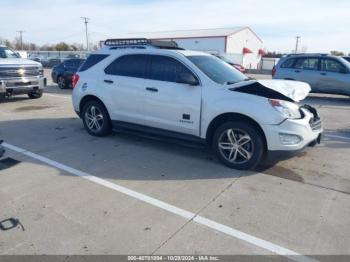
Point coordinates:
[[186, 78]]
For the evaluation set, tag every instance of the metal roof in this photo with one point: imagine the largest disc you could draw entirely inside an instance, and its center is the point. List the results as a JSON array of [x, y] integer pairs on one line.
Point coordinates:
[[215, 32]]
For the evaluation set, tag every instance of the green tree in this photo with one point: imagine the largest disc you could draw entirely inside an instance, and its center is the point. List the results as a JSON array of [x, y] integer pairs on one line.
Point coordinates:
[[62, 47], [337, 53]]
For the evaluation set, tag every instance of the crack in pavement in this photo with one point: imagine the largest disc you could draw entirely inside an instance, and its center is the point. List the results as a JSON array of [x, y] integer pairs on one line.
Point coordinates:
[[196, 214]]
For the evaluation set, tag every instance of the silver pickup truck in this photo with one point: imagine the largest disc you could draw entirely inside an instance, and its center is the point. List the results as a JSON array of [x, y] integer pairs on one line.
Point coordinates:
[[20, 76]]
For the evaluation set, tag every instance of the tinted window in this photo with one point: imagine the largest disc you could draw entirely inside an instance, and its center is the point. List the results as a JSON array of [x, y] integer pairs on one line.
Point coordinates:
[[129, 65], [74, 62], [288, 64], [167, 69], [331, 65], [307, 63], [216, 69], [91, 61]]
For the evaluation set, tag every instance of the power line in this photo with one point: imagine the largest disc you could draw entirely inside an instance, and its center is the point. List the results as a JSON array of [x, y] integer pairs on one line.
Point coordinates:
[[20, 37], [86, 21]]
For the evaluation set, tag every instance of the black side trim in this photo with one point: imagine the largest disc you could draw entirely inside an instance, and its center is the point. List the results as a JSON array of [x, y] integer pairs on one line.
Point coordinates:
[[157, 131], [261, 90]]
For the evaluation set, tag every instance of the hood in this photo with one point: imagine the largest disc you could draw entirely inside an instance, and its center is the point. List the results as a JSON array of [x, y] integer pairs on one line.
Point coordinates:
[[17, 62], [289, 90]]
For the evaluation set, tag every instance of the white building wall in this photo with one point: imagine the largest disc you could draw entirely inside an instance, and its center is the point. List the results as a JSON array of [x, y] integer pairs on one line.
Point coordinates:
[[245, 38], [207, 44]]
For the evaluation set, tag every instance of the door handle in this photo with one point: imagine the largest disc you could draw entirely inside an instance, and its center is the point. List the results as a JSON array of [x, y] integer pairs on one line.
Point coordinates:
[[297, 71], [152, 89], [108, 81], [323, 74]]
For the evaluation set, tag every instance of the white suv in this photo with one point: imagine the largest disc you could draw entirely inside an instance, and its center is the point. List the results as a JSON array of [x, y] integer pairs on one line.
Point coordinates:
[[156, 87]]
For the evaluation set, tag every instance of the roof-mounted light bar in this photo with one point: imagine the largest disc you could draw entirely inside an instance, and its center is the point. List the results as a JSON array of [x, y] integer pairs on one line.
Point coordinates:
[[141, 41]]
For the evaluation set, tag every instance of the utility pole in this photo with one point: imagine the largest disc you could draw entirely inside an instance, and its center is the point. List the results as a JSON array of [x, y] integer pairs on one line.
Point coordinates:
[[297, 38], [20, 37], [86, 20]]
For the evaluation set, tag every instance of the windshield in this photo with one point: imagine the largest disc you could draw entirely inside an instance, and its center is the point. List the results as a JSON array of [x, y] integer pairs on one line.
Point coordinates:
[[7, 53], [217, 70]]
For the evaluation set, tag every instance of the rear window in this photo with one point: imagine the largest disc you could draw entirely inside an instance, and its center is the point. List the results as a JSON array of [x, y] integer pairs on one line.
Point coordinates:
[[91, 61], [288, 64], [307, 63], [129, 65]]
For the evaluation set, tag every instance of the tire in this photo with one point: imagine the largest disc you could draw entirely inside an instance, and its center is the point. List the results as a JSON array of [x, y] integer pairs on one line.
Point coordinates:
[[61, 82], [242, 155], [35, 94], [94, 110]]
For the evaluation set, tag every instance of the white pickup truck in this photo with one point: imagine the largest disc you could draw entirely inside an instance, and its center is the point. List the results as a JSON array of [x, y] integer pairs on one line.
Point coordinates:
[[20, 76]]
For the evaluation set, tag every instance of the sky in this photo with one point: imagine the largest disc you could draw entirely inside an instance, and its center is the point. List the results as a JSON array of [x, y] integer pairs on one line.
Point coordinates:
[[323, 25]]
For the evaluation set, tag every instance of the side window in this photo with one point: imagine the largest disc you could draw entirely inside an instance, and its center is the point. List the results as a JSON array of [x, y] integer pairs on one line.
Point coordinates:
[[288, 63], [91, 61], [168, 69], [68, 63], [129, 65], [307, 63], [331, 65]]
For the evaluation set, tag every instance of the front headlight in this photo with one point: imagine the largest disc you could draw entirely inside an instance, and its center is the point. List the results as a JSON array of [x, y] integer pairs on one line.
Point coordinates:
[[286, 109], [41, 71]]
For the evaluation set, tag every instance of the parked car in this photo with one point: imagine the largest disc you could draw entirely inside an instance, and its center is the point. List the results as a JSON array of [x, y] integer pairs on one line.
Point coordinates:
[[324, 73], [347, 58], [156, 87], [2, 149], [62, 73], [239, 67], [20, 76]]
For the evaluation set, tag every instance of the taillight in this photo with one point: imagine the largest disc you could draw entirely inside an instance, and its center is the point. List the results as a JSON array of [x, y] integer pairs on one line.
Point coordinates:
[[75, 80], [273, 71]]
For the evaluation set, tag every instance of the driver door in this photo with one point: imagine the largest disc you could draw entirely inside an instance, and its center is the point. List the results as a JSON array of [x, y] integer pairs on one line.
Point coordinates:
[[172, 96]]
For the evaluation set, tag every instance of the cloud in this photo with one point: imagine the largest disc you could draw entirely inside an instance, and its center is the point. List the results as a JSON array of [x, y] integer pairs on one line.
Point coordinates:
[[321, 24]]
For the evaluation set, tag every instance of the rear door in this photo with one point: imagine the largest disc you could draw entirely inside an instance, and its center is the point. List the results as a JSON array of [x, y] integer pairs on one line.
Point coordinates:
[[334, 77], [306, 69], [170, 103], [124, 84]]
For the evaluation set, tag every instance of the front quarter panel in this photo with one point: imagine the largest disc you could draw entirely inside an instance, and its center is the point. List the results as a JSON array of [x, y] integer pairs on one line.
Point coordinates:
[[226, 101]]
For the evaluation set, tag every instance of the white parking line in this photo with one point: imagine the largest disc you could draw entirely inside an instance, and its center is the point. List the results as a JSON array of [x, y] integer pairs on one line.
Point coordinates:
[[336, 136], [168, 207]]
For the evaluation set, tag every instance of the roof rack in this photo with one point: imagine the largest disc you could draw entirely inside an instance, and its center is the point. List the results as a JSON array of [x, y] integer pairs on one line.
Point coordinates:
[[321, 54], [122, 42]]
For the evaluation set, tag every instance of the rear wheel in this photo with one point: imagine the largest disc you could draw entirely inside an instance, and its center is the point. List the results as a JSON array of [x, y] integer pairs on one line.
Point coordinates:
[[61, 82], [238, 145], [96, 119]]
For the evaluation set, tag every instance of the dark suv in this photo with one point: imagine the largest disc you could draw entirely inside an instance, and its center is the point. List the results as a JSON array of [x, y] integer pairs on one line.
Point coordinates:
[[62, 73]]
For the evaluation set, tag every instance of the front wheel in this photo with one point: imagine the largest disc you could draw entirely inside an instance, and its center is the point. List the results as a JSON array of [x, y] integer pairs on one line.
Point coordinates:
[[238, 145], [35, 94], [96, 119]]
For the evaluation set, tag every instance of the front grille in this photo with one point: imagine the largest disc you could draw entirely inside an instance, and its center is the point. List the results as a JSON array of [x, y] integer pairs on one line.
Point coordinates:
[[20, 71], [315, 124], [315, 121]]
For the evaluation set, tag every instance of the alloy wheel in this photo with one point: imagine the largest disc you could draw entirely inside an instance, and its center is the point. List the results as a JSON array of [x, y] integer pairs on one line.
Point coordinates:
[[236, 146], [94, 118]]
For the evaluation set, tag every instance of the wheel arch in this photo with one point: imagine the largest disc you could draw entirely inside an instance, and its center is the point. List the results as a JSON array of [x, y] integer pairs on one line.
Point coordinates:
[[88, 98], [225, 117]]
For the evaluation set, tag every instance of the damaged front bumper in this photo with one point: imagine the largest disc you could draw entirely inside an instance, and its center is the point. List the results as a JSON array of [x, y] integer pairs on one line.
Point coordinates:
[[295, 134]]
